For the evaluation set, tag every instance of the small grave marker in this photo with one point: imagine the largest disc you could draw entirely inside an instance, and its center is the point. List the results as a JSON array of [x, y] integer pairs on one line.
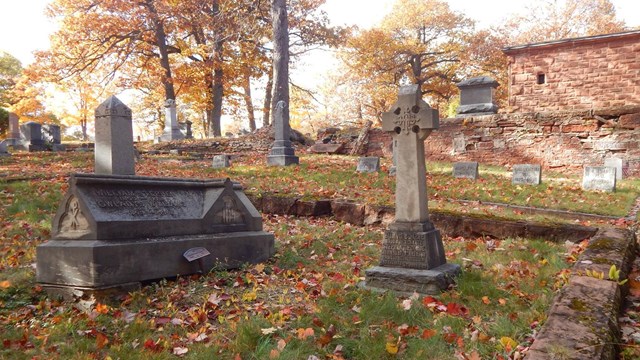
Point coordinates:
[[220, 161], [467, 170], [197, 253], [368, 164], [617, 163], [599, 178], [526, 174]]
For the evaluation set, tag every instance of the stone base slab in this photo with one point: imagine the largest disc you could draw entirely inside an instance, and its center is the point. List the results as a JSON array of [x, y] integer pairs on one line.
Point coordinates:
[[431, 282], [96, 264], [282, 160]]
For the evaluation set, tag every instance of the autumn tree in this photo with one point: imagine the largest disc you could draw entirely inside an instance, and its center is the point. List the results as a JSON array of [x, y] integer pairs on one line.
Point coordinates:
[[420, 42], [10, 69], [560, 19]]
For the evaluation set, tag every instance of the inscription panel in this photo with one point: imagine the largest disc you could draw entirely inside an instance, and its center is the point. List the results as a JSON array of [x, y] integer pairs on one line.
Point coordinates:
[[144, 203], [368, 164], [405, 249], [599, 178], [526, 174]]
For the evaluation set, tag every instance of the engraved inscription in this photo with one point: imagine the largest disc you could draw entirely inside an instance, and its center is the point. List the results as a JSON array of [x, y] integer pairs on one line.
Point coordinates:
[[73, 220], [406, 120], [467, 170], [229, 213], [404, 249], [140, 202], [526, 174], [599, 178]]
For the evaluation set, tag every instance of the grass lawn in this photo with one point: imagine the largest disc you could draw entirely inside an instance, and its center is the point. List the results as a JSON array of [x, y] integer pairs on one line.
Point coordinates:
[[306, 301]]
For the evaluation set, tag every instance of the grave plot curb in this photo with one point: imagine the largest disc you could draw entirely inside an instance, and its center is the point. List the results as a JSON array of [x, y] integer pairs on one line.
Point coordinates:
[[448, 223], [583, 320]]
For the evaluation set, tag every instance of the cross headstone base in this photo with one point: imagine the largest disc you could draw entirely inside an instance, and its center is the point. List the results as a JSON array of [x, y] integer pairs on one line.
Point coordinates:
[[408, 281], [171, 135]]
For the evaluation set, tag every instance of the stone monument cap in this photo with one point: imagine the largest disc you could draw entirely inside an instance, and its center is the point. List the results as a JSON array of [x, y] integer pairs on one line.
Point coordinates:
[[113, 107], [483, 81], [410, 113]]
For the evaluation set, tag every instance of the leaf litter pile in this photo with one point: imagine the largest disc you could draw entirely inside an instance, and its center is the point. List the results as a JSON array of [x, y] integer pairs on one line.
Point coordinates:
[[305, 303]]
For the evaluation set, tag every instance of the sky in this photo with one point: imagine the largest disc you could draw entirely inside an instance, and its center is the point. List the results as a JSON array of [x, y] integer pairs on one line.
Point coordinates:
[[24, 27]]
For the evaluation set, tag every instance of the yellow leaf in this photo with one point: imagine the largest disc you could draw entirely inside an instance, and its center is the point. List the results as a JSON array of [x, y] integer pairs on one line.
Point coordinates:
[[249, 295], [508, 343], [392, 348], [259, 267]]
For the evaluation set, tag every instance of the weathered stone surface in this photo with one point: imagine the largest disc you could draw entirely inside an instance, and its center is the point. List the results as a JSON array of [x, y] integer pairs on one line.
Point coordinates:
[[404, 280], [617, 163], [278, 204], [629, 121], [582, 322], [378, 214], [111, 230], [610, 246], [114, 151], [320, 148], [348, 212], [526, 174], [313, 208], [3, 148], [599, 178], [171, 127], [467, 170], [476, 96], [412, 249], [368, 164]]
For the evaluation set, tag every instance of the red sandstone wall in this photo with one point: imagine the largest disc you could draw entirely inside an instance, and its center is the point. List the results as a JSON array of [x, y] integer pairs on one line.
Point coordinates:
[[579, 76], [560, 141]]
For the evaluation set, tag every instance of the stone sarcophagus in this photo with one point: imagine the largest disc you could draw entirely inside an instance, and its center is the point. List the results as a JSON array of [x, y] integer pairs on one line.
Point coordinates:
[[120, 230]]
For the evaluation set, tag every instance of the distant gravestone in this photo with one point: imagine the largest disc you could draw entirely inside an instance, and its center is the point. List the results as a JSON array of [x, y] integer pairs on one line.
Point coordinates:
[[31, 137], [3, 148], [368, 164], [459, 145], [52, 136], [189, 133], [467, 170], [282, 153], [171, 128], [14, 127], [221, 161], [617, 163], [599, 178], [477, 96], [114, 151], [412, 257], [526, 174]]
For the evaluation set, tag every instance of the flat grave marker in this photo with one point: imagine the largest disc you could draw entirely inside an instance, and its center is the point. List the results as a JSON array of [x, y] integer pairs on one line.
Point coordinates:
[[599, 178], [466, 170], [526, 174], [368, 164]]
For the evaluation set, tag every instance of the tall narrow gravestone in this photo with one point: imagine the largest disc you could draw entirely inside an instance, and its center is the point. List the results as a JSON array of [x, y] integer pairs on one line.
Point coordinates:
[[31, 137], [171, 126], [14, 129], [114, 152], [282, 153], [412, 258]]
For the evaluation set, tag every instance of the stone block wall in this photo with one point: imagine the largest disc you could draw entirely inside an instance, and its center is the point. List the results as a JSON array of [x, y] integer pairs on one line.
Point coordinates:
[[597, 72], [563, 141]]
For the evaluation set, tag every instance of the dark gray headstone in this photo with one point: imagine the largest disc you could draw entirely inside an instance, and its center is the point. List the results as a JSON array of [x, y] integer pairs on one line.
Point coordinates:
[[468, 170], [31, 137], [477, 96], [526, 174], [619, 164], [220, 161], [282, 153], [114, 151], [110, 231], [368, 164], [3, 148], [599, 178], [188, 133], [51, 133]]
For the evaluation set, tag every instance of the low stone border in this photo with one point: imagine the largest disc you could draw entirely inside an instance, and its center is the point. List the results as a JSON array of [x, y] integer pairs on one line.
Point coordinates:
[[448, 223], [583, 320]]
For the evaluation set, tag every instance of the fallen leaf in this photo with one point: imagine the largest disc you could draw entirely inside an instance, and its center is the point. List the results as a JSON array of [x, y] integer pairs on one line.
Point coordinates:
[[406, 304], [101, 340], [281, 344], [5, 284], [304, 333], [508, 343], [427, 333], [485, 300], [268, 331], [392, 348], [180, 351]]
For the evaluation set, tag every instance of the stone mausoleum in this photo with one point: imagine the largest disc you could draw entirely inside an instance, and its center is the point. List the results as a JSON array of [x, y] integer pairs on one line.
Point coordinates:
[[594, 72]]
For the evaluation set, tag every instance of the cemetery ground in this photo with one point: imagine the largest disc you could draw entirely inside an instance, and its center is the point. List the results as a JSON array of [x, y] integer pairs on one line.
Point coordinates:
[[306, 302]]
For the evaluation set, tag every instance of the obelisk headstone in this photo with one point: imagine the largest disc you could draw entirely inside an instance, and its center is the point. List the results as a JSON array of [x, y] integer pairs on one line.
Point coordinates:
[[114, 151], [171, 127], [14, 128], [282, 153], [412, 258]]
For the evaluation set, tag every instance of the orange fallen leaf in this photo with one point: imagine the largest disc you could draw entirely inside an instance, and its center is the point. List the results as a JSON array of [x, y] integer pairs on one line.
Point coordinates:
[[5, 284], [101, 340], [485, 300], [427, 333]]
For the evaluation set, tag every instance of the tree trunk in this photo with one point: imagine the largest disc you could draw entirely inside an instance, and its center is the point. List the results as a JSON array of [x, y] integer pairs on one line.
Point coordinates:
[[268, 94], [363, 139], [280, 57], [246, 86], [161, 41], [218, 92]]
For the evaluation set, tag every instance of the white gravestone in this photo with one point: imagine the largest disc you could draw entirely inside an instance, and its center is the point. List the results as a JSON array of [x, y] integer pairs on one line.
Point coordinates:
[[617, 163], [171, 126], [220, 161], [526, 174], [599, 178], [368, 164]]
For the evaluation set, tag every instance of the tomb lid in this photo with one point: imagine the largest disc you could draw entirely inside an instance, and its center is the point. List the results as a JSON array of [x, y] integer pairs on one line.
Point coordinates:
[[483, 81]]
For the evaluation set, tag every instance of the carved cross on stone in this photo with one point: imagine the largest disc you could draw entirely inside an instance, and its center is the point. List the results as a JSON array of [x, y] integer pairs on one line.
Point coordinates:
[[410, 121]]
